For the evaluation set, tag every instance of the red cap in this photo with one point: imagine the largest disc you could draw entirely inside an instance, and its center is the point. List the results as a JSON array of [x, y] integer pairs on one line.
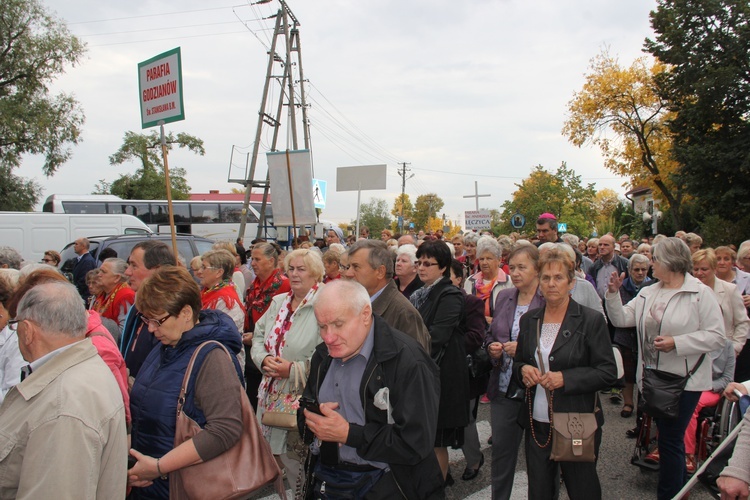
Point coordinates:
[[547, 215]]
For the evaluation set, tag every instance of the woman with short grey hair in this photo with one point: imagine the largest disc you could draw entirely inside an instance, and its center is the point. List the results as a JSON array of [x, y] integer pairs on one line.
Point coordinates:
[[406, 270], [678, 323], [116, 294], [469, 258]]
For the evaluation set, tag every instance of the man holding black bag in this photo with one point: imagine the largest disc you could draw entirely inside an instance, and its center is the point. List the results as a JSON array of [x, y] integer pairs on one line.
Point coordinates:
[[371, 405]]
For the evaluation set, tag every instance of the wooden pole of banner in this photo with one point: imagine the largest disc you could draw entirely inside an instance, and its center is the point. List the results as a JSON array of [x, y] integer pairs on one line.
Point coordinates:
[[291, 196], [169, 190]]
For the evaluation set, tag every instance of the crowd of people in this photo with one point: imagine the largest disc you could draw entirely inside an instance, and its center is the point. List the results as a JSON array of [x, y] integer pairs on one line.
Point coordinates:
[[380, 352]]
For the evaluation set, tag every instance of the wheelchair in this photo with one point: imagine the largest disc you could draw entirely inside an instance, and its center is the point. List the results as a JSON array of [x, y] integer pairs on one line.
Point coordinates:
[[714, 424]]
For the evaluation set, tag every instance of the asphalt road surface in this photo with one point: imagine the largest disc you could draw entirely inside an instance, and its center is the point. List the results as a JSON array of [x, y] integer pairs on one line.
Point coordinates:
[[619, 479]]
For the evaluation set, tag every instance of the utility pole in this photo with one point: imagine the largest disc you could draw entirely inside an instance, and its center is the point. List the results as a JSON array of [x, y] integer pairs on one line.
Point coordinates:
[[404, 178], [286, 58]]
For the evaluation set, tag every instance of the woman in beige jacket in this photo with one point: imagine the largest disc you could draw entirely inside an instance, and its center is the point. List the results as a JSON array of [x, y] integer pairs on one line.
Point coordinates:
[[677, 321]]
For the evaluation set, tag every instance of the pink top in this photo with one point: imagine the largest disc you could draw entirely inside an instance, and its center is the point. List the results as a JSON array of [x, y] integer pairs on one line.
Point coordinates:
[[110, 354]]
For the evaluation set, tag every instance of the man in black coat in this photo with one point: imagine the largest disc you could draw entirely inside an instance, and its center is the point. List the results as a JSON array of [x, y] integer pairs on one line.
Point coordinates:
[[378, 392], [84, 264]]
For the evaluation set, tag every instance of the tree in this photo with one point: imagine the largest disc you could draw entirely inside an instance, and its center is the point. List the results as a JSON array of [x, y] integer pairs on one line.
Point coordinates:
[[374, 214], [16, 193], [605, 203], [620, 111], [707, 48], [408, 208], [147, 183], [427, 206], [560, 193], [36, 48]]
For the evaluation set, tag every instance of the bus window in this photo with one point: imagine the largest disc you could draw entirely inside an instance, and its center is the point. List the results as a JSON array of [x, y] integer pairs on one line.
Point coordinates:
[[160, 213], [232, 212], [204, 212], [139, 210], [88, 207]]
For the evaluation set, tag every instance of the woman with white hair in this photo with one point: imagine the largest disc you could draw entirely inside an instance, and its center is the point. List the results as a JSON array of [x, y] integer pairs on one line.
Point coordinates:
[[469, 258], [406, 270], [118, 296], [488, 282]]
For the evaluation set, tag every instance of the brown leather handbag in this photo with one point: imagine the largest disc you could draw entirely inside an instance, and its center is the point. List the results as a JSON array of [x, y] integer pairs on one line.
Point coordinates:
[[244, 468], [573, 437], [573, 434]]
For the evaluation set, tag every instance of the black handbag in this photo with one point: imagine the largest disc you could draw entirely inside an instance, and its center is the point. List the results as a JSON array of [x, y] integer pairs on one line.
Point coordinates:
[[479, 363], [661, 391], [515, 392]]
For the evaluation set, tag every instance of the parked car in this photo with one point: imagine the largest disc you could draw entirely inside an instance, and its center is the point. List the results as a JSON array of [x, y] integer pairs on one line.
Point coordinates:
[[188, 246]]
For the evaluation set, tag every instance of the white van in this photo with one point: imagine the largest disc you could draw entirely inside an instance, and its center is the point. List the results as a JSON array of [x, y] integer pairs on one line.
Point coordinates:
[[33, 233]]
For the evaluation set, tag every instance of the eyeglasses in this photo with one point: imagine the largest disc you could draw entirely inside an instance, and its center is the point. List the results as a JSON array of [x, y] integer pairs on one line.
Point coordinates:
[[203, 268], [426, 263], [156, 323], [47, 261], [13, 324]]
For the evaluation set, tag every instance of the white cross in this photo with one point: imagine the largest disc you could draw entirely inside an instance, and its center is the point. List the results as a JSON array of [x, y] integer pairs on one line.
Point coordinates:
[[476, 195]]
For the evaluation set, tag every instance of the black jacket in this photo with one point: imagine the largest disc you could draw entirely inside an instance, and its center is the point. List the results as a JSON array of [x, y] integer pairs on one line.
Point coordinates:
[[582, 352], [620, 263], [444, 313], [399, 363]]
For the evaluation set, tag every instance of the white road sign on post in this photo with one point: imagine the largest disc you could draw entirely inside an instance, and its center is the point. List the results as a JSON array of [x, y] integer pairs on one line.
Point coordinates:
[[160, 89], [477, 219]]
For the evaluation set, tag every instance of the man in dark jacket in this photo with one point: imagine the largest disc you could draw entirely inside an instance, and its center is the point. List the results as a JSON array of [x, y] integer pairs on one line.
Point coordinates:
[[378, 392], [371, 265], [136, 341], [84, 264]]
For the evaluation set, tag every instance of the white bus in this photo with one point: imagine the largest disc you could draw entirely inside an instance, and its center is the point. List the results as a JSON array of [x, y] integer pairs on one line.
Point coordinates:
[[217, 220]]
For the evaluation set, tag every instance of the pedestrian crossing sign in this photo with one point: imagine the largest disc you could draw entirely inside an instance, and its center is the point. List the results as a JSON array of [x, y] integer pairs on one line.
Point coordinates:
[[319, 193]]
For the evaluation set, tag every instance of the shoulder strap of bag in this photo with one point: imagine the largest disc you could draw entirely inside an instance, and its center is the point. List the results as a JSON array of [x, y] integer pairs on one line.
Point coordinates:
[[697, 365], [189, 370]]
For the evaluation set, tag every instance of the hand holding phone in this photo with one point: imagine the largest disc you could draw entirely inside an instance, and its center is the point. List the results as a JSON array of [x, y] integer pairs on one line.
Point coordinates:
[[310, 405]]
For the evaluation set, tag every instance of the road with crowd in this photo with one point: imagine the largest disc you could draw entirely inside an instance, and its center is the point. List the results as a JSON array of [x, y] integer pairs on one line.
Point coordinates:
[[620, 479]]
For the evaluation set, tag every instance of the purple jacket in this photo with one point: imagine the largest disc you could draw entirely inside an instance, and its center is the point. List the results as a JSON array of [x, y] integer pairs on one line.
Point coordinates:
[[502, 323]]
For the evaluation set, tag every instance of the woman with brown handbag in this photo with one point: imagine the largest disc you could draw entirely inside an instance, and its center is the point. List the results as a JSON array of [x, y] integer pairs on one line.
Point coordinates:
[[563, 357], [170, 305]]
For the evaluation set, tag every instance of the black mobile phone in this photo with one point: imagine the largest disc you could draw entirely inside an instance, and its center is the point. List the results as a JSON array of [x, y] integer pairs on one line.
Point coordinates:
[[131, 461], [310, 405]]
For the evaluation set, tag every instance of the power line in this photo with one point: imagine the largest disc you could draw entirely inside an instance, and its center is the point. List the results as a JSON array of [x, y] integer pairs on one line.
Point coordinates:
[[154, 15], [157, 29], [169, 38], [506, 177]]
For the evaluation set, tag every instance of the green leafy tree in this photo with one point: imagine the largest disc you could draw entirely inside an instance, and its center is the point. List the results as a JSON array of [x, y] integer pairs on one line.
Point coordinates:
[[17, 194], [147, 183], [36, 49], [408, 208], [706, 46], [560, 193], [426, 207], [375, 215]]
